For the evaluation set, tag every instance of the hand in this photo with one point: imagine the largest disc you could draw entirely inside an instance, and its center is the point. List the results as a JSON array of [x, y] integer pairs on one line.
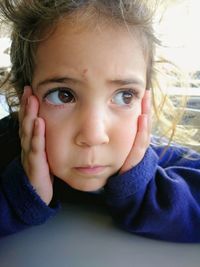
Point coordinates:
[[33, 155], [142, 139]]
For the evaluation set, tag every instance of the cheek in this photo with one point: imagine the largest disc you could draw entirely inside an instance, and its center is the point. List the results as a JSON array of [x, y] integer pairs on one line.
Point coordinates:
[[56, 139], [59, 145], [57, 149]]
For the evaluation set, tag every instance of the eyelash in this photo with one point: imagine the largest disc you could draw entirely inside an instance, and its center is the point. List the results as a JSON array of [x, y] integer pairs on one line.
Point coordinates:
[[133, 92], [58, 89]]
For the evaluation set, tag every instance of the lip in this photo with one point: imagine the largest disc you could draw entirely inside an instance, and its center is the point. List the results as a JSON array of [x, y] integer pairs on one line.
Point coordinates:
[[91, 169]]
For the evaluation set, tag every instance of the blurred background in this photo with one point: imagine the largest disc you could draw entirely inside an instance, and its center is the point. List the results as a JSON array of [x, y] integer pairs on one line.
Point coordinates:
[[177, 25]]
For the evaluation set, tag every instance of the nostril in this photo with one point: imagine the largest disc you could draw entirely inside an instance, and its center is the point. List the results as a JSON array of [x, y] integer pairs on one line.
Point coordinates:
[[92, 136], [92, 126]]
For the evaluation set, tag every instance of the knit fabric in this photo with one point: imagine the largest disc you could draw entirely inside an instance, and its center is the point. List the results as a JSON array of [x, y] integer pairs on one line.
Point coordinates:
[[158, 198]]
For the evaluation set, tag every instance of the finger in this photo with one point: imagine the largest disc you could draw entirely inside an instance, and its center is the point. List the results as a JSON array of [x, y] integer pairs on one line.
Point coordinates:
[[37, 155], [27, 92], [38, 139], [140, 144], [141, 140], [37, 148], [146, 107], [39, 175], [144, 127], [27, 125], [146, 102]]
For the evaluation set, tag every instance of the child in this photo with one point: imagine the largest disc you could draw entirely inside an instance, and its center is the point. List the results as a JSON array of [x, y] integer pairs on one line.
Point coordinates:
[[82, 71]]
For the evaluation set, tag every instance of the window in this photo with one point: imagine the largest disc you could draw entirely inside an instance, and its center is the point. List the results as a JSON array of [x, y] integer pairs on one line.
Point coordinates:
[[177, 28]]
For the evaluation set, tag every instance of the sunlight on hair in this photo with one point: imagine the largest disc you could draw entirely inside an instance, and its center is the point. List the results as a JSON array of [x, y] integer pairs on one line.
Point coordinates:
[[178, 71], [181, 42]]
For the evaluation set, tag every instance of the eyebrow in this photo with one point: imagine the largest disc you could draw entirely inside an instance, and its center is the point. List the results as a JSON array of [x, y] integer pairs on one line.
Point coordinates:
[[128, 81], [57, 80], [120, 82]]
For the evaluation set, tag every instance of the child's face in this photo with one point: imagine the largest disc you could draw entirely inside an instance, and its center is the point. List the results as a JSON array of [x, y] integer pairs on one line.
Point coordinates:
[[90, 84]]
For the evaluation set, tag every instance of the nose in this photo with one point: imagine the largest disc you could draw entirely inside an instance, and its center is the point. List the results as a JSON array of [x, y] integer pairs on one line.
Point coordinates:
[[92, 129]]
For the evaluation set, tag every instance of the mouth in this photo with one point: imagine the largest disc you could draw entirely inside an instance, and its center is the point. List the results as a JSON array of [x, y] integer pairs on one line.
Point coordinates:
[[98, 169]]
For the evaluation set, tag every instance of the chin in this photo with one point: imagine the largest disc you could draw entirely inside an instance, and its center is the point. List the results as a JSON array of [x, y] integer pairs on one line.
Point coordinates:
[[87, 187]]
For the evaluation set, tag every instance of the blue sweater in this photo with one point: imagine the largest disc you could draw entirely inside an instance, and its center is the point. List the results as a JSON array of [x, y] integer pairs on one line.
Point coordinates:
[[159, 198]]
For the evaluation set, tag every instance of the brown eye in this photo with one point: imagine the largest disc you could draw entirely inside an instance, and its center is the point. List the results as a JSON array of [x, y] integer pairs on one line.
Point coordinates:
[[127, 98], [59, 96], [123, 98], [65, 96]]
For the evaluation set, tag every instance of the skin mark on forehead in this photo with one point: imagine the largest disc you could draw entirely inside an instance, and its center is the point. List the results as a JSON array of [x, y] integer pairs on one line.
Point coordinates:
[[84, 73]]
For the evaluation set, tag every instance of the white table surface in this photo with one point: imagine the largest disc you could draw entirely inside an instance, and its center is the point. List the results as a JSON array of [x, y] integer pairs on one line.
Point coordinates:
[[84, 236]]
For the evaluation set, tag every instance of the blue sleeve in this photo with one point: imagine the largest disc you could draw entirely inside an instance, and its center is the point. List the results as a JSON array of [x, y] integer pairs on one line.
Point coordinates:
[[20, 206], [159, 198]]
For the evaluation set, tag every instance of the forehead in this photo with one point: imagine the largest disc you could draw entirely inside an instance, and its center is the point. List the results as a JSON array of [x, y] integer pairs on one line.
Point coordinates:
[[72, 47]]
